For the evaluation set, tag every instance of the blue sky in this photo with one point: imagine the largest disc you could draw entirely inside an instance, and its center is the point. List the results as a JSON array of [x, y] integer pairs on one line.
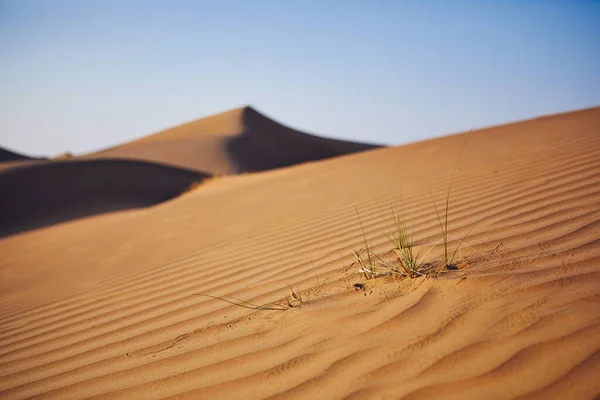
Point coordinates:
[[82, 75]]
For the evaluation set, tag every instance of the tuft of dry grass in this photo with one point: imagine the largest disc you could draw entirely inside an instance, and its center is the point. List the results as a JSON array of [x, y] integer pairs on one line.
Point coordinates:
[[290, 300], [367, 265], [247, 304], [409, 263], [449, 259]]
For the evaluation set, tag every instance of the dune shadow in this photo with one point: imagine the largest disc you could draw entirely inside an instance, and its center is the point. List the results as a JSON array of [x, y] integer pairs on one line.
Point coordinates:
[[266, 144], [7, 155], [47, 193]]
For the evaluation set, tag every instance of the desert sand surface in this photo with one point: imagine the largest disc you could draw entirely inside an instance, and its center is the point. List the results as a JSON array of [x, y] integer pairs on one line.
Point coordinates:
[[115, 305], [235, 141]]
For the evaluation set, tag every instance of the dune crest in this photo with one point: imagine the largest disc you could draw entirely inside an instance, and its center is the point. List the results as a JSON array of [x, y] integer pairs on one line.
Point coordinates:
[[239, 140], [7, 155]]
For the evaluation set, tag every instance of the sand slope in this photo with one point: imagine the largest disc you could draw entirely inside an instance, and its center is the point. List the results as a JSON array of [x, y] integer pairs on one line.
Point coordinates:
[[7, 155], [239, 140], [45, 193], [109, 306], [10, 159]]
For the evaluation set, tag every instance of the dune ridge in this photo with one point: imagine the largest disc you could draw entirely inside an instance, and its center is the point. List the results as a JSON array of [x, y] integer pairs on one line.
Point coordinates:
[[238, 140], [123, 317], [155, 168], [7, 155]]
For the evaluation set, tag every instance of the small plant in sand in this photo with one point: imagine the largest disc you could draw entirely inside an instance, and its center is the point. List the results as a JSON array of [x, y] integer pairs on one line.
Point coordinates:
[[291, 300], [409, 264], [450, 259], [373, 266], [247, 304], [367, 265]]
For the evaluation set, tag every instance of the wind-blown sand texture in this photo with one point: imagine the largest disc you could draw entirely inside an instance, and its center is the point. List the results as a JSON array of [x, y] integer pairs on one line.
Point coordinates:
[[239, 140], [109, 306]]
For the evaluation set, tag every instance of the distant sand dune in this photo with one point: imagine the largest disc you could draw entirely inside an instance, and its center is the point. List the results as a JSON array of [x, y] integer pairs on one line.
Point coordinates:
[[240, 140], [10, 159], [45, 193], [110, 306], [37, 194], [7, 155]]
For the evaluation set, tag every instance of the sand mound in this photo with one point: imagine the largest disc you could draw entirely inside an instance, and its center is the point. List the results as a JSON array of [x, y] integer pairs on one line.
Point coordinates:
[[45, 193], [240, 140], [110, 306]]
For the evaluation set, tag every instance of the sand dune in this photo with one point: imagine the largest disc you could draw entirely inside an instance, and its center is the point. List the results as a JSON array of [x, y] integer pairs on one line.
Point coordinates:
[[45, 193], [110, 306], [240, 140], [152, 169]]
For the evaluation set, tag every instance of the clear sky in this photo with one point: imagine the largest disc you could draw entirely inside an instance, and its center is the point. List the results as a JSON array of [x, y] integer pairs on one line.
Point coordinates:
[[81, 75]]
